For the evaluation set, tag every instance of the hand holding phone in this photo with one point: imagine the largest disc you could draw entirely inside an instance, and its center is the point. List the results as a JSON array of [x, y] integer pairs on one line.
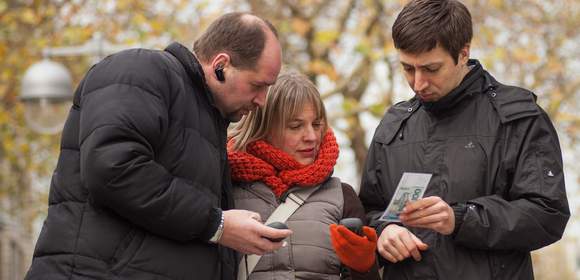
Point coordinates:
[[277, 225], [353, 224]]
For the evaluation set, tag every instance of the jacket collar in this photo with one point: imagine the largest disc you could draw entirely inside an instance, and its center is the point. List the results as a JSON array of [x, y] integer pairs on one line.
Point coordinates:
[[466, 89], [192, 67]]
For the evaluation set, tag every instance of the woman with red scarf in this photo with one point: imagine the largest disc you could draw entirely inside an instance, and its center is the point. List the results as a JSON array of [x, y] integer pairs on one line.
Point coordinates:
[[287, 147]]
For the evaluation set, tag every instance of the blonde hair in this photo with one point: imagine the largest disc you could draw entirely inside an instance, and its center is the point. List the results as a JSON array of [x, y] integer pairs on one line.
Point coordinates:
[[285, 99]]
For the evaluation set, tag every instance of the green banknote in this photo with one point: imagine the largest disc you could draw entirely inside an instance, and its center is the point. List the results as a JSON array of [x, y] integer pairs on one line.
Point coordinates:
[[411, 187]]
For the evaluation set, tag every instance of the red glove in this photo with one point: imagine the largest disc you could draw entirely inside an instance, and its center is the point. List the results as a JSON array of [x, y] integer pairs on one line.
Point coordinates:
[[356, 252]]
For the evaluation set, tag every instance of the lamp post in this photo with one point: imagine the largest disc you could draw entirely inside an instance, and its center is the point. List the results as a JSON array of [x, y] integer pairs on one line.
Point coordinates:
[[47, 88], [46, 94]]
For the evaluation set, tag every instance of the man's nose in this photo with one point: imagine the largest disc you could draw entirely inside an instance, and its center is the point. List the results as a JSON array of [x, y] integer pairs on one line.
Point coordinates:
[[260, 98], [420, 83]]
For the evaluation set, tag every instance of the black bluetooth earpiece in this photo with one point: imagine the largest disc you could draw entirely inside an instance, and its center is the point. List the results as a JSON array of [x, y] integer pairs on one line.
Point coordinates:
[[219, 73]]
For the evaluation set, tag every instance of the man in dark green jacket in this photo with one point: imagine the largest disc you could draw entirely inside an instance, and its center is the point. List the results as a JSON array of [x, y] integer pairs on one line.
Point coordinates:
[[497, 188], [142, 187]]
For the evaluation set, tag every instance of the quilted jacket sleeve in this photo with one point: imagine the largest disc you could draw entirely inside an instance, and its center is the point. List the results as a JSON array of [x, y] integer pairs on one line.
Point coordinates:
[[121, 125]]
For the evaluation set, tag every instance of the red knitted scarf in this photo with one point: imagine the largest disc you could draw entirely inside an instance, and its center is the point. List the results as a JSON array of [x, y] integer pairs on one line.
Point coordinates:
[[272, 166]]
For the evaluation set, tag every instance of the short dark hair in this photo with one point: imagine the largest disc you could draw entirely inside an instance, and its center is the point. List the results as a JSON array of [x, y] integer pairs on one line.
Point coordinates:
[[422, 24], [242, 37]]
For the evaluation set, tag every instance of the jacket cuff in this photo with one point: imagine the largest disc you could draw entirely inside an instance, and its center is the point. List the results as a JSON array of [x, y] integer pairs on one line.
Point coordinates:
[[213, 222], [459, 210]]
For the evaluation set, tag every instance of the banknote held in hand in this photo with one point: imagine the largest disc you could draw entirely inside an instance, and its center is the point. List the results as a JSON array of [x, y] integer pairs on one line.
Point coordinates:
[[411, 187]]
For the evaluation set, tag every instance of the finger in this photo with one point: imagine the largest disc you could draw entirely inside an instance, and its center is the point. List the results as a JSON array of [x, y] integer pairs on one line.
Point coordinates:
[[273, 246], [398, 249], [333, 227], [256, 245], [370, 233], [439, 211], [381, 248], [423, 212], [351, 237], [251, 249], [420, 244], [264, 245], [258, 251], [430, 222], [391, 250], [421, 203], [411, 246], [421, 222], [272, 233], [387, 256], [334, 230]]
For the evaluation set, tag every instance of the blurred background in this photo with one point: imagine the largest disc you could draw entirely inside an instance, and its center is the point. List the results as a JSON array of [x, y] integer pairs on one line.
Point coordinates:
[[345, 46]]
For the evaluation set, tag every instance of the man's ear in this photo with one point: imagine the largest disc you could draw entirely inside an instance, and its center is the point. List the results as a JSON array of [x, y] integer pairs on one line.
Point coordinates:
[[222, 59], [219, 63], [464, 53]]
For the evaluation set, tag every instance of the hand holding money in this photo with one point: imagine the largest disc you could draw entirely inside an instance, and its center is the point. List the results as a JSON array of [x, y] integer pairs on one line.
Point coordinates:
[[411, 187], [430, 213]]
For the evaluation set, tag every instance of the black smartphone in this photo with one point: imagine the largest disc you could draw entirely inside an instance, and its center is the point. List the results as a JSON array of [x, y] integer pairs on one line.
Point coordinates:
[[276, 225], [353, 224]]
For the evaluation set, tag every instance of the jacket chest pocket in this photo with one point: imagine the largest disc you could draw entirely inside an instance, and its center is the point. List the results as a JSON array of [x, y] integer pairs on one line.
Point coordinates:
[[466, 162]]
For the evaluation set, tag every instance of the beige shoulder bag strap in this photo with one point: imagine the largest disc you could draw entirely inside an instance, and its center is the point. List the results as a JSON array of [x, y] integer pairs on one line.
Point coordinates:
[[292, 202]]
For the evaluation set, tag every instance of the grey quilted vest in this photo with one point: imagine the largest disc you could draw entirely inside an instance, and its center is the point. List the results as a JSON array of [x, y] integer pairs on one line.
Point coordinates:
[[309, 254]]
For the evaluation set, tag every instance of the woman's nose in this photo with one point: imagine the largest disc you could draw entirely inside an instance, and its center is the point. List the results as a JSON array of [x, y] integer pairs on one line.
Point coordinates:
[[310, 134]]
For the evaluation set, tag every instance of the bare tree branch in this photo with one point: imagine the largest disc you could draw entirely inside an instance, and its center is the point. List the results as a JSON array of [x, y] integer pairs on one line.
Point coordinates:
[[342, 20]]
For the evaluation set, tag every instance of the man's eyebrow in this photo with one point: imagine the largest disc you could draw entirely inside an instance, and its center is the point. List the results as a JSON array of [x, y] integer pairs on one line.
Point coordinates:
[[422, 65], [431, 64], [264, 83]]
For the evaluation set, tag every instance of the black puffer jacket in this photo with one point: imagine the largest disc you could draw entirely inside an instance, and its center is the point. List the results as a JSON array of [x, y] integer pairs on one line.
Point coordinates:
[[494, 153], [141, 176]]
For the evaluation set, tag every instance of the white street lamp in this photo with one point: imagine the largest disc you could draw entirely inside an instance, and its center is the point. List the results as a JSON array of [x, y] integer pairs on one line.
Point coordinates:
[[46, 94], [47, 86]]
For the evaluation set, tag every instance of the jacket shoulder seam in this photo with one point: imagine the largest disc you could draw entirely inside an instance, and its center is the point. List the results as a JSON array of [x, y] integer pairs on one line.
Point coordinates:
[[512, 103]]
